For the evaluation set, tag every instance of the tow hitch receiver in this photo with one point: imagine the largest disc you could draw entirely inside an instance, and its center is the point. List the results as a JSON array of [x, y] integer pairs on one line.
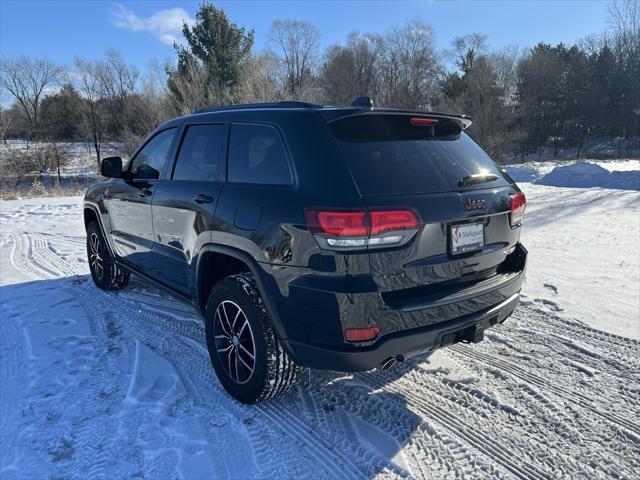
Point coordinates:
[[472, 334]]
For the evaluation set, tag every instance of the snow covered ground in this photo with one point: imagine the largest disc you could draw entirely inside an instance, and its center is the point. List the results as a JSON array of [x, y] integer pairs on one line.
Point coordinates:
[[103, 385], [81, 157]]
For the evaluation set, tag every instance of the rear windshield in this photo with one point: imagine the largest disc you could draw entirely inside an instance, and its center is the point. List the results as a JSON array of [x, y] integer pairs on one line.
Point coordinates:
[[388, 155]]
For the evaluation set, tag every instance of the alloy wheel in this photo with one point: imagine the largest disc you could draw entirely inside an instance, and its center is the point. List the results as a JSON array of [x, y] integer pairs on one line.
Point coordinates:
[[95, 259], [235, 345]]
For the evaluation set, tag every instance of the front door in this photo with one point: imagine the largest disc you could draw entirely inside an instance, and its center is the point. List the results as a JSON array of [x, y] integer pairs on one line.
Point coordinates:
[[129, 201], [184, 205]]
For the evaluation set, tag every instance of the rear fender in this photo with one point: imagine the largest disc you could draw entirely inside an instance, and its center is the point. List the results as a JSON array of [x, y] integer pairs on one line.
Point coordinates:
[[264, 281]]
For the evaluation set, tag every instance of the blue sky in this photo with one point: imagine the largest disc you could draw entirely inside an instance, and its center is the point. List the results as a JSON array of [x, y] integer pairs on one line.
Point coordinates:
[[142, 30]]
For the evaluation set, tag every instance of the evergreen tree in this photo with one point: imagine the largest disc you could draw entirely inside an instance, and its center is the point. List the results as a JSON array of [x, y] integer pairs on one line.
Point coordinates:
[[218, 47]]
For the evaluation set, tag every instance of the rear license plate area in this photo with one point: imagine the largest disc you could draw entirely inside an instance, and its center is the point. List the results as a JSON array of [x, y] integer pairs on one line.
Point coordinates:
[[466, 237]]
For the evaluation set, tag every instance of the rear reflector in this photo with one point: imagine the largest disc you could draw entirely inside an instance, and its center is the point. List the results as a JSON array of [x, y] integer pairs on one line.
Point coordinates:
[[423, 121], [518, 205], [361, 334]]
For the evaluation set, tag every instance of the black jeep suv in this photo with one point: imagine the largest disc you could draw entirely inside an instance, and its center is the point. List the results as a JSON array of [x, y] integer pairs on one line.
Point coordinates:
[[309, 236]]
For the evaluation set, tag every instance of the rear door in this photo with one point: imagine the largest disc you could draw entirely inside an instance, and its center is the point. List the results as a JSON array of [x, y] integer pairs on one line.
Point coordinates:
[[260, 178], [431, 167], [184, 205], [129, 200]]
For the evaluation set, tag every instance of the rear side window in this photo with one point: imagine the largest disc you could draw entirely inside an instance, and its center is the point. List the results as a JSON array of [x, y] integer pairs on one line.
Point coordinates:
[[257, 155], [388, 155], [200, 156]]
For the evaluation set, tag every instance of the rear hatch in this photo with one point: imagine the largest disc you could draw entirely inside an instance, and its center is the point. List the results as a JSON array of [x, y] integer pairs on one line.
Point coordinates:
[[427, 164]]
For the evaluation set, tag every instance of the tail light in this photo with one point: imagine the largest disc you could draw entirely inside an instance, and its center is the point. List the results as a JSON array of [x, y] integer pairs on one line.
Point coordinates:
[[347, 229], [361, 334], [518, 205]]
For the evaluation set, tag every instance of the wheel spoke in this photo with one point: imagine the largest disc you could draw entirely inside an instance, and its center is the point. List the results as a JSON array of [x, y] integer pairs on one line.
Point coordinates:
[[242, 329], [226, 317], [246, 351], [235, 354], [226, 337], [222, 323], [249, 367], [229, 361], [235, 319]]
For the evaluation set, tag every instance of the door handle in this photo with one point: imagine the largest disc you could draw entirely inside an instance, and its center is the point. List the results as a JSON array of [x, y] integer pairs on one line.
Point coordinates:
[[202, 198], [144, 192]]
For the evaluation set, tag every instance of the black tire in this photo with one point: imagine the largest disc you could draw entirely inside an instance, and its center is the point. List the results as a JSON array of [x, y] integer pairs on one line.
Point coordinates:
[[106, 275], [273, 371]]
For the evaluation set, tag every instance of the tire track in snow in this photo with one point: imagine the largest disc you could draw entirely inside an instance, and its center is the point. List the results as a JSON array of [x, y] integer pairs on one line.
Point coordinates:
[[16, 369], [555, 345], [568, 394], [467, 440], [36, 252], [48, 265], [473, 436], [528, 432]]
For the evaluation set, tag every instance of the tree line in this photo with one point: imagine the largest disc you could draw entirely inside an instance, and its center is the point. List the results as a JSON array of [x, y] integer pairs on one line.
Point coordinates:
[[521, 100]]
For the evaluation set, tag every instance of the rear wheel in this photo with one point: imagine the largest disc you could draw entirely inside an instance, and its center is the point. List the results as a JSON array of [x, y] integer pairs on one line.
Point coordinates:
[[244, 350], [106, 275]]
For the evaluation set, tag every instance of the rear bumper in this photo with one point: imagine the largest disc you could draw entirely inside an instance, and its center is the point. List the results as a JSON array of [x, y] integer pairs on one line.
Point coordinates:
[[315, 309], [406, 343]]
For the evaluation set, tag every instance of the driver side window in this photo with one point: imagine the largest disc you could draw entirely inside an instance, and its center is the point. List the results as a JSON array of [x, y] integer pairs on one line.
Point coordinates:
[[151, 161]]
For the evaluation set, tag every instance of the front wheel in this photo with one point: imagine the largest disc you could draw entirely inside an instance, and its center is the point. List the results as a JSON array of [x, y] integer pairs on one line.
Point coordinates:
[[106, 275], [245, 352]]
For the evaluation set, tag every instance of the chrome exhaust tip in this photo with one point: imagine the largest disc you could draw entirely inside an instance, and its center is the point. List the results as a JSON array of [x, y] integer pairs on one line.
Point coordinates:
[[387, 364]]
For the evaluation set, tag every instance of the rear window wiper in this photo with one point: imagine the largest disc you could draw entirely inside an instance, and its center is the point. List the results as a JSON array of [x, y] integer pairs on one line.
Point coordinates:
[[477, 178]]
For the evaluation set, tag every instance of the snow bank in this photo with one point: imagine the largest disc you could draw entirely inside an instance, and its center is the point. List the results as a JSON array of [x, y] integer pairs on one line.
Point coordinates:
[[587, 175], [523, 174], [622, 174]]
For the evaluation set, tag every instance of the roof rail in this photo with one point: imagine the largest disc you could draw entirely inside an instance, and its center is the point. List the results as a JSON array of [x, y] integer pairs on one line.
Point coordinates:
[[248, 106]]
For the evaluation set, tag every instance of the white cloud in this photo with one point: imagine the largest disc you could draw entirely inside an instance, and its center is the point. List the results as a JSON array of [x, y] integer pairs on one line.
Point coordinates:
[[166, 25]]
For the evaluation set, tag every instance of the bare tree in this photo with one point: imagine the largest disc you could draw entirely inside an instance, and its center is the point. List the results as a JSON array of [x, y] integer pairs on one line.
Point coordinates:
[[190, 89], [5, 124], [368, 50], [296, 43], [260, 82], [411, 67], [27, 81], [352, 70], [624, 19], [147, 107], [504, 63], [465, 48], [337, 75], [89, 84], [118, 79]]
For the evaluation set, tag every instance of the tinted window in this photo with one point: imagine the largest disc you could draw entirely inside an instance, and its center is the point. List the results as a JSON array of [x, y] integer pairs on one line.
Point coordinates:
[[387, 155], [151, 161], [256, 155], [200, 155]]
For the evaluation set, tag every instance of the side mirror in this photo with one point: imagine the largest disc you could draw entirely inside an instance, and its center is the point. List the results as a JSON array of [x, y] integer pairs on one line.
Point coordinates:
[[111, 167]]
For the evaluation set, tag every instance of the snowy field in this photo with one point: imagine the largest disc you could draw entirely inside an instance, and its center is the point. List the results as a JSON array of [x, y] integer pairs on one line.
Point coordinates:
[[103, 385], [81, 157]]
